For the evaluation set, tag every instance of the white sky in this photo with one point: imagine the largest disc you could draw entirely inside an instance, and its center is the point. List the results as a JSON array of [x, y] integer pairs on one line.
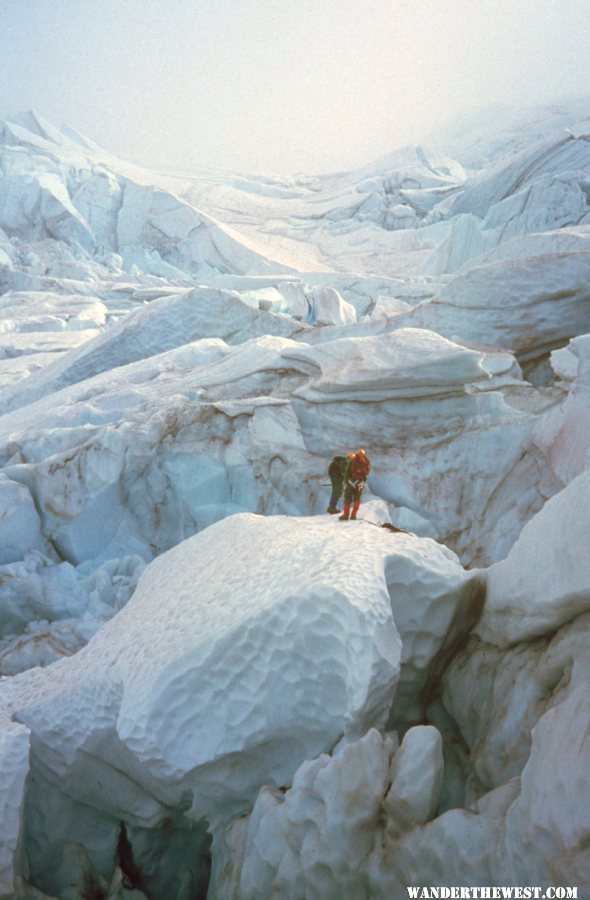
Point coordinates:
[[282, 85]]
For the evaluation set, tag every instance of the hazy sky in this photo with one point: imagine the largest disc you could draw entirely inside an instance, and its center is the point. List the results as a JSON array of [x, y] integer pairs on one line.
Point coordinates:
[[281, 85]]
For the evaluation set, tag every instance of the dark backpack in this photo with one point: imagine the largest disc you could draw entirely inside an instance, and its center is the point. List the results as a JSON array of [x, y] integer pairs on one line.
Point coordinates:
[[337, 465]]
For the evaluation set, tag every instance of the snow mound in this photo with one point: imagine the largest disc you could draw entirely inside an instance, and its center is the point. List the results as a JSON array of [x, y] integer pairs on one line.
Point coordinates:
[[211, 681], [20, 526], [497, 695], [547, 831], [313, 304], [49, 610], [340, 830], [57, 185], [565, 364], [528, 305], [163, 324], [215, 680], [319, 839], [406, 363], [14, 768], [481, 138], [298, 614], [559, 152], [545, 579], [563, 434], [46, 311], [435, 604]]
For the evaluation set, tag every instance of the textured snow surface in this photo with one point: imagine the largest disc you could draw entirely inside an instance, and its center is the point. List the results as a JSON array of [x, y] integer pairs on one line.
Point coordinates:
[[50, 610], [214, 679], [547, 831], [317, 838], [548, 298], [14, 768], [496, 695], [545, 580], [181, 356], [407, 363], [349, 826], [258, 639], [141, 456], [165, 323], [564, 434], [20, 527], [346, 827]]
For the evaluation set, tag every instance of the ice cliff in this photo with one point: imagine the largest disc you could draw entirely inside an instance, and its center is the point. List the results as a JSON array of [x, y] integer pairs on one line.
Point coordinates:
[[210, 687]]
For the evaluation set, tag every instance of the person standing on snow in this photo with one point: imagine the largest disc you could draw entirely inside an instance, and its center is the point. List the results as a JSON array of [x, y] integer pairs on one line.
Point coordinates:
[[349, 474], [354, 484], [338, 471]]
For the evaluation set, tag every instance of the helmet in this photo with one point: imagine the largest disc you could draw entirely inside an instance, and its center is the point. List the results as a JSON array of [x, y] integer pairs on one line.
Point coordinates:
[[360, 453], [350, 455]]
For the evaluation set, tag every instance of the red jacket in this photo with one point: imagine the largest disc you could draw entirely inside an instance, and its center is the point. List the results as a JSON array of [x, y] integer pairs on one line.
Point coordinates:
[[360, 468]]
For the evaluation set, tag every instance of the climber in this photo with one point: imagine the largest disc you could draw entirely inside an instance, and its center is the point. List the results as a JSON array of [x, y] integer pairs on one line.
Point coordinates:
[[338, 471], [354, 484]]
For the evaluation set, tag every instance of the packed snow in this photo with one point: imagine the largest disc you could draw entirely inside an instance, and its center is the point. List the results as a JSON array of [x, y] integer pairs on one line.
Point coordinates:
[[215, 678], [209, 686], [544, 580]]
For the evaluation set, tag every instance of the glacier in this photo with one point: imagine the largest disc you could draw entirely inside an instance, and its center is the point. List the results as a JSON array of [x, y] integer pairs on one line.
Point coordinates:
[[208, 686]]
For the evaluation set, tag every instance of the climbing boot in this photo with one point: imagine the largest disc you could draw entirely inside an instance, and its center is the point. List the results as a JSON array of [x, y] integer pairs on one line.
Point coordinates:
[[346, 514]]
